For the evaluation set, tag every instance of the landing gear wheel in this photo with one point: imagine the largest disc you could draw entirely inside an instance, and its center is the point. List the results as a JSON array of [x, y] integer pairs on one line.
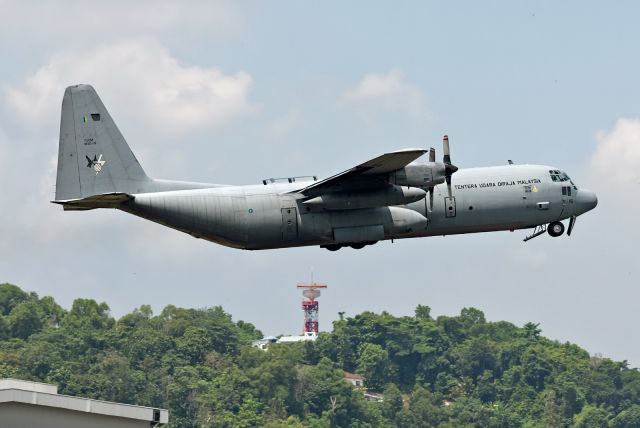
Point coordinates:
[[555, 229], [358, 246], [333, 247]]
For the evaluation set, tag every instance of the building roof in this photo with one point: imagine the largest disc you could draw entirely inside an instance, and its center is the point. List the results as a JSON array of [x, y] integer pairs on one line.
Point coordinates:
[[43, 394], [353, 376]]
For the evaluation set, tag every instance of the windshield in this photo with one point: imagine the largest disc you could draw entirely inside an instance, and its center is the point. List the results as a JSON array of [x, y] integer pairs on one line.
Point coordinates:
[[560, 176]]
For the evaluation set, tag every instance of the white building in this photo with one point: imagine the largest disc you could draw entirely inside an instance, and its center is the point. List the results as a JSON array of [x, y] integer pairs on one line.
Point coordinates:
[[266, 341], [306, 337], [31, 404]]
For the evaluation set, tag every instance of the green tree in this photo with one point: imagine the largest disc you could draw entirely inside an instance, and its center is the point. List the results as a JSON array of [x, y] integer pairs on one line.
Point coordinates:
[[392, 404], [5, 331], [423, 411], [194, 344], [475, 356], [591, 417], [459, 371], [471, 316], [531, 330], [629, 417], [25, 319], [10, 296], [53, 313], [87, 314], [423, 312], [374, 366]]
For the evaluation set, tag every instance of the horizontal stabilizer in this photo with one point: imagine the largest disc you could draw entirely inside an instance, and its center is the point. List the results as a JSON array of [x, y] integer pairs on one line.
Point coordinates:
[[104, 200]]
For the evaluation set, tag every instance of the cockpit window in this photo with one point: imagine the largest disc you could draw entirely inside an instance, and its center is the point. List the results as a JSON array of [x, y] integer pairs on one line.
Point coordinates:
[[560, 176]]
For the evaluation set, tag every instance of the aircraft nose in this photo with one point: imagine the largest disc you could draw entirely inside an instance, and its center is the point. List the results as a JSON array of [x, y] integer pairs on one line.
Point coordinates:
[[586, 201]]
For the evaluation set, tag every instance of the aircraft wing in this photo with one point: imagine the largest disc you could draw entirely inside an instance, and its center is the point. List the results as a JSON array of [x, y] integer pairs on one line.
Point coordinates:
[[366, 175]]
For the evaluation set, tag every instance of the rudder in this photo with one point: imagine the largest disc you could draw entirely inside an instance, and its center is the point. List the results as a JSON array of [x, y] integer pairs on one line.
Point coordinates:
[[93, 156]]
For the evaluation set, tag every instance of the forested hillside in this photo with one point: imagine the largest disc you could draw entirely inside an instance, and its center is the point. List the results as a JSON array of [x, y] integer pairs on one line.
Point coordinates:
[[458, 371]]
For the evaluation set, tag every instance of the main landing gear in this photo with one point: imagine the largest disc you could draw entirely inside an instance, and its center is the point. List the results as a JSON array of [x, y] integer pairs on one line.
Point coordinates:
[[355, 246]]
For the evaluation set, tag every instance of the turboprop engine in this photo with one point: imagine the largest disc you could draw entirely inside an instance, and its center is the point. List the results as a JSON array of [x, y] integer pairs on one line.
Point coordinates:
[[427, 175], [422, 175], [388, 196]]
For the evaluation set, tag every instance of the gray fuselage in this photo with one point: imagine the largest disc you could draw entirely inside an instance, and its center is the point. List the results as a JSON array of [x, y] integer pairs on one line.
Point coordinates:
[[274, 215]]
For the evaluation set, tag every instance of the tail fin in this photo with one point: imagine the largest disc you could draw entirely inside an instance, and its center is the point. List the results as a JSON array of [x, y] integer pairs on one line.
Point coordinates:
[[93, 157]]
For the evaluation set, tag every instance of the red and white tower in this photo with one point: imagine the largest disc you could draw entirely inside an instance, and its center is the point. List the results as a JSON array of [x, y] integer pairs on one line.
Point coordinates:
[[311, 291]]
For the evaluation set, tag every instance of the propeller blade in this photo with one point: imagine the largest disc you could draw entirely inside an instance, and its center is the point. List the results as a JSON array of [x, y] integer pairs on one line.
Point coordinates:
[[445, 149], [431, 198], [449, 168], [432, 154], [572, 222]]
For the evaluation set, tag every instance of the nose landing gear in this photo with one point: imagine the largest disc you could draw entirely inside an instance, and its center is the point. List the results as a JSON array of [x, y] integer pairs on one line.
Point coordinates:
[[555, 229]]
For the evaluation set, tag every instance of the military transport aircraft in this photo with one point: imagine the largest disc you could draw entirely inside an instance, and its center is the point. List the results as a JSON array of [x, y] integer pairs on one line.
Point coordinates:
[[389, 197]]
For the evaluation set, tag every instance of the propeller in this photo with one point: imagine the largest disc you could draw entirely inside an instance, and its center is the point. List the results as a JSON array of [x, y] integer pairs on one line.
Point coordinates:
[[432, 159], [449, 168]]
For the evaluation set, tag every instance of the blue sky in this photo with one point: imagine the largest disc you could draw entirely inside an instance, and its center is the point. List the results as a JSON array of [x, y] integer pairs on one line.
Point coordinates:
[[234, 92]]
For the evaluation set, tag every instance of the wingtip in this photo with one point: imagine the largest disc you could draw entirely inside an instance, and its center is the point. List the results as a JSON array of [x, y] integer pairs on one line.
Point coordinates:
[[415, 150]]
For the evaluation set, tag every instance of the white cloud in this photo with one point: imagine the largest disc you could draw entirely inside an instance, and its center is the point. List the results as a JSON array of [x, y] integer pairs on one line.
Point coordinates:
[[615, 164], [390, 91], [279, 128], [138, 77], [143, 86], [79, 23]]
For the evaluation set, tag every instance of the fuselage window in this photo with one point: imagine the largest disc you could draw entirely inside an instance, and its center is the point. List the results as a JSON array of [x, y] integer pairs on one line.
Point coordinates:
[[564, 190]]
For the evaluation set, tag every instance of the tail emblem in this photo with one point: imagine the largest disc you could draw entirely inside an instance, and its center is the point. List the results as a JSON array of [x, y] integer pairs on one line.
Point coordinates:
[[96, 163]]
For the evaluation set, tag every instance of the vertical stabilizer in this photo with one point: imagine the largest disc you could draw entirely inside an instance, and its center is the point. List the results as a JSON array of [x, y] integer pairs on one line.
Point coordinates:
[[93, 157]]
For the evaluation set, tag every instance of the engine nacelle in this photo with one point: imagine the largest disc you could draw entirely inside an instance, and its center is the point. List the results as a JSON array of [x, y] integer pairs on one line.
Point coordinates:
[[388, 196], [422, 175]]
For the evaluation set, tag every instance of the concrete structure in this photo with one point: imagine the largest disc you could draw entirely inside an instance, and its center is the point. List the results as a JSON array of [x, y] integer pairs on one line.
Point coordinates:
[[293, 339], [25, 404], [373, 396], [264, 342], [357, 382]]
